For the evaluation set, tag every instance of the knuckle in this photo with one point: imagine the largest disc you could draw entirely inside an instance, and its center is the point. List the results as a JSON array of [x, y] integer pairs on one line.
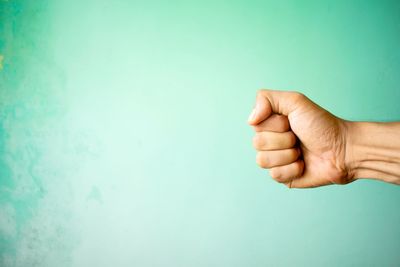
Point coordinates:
[[292, 138], [258, 141], [258, 128], [298, 168], [276, 175], [261, 92], [295, 153], [298, 95], [262, 160]]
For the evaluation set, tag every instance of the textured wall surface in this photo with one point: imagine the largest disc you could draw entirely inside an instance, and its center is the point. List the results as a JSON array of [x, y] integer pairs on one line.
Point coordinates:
[[123, 136]]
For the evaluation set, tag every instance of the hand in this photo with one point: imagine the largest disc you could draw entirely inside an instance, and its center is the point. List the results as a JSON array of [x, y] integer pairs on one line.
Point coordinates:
[[302, 144]]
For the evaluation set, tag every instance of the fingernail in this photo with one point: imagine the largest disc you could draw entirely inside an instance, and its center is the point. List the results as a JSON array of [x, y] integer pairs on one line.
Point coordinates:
[[252, 115]]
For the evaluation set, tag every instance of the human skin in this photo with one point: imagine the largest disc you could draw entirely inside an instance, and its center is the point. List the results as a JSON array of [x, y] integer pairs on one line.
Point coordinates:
[[305, 146]]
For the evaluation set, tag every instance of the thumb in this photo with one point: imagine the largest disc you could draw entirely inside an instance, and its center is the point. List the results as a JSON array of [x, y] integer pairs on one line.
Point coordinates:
[[270, 102]]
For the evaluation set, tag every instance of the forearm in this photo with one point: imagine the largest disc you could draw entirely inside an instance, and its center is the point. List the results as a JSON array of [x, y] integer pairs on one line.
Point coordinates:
[[373, 151]]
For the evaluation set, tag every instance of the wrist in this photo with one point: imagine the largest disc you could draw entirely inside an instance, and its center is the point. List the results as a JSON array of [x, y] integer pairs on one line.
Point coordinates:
[[354, 148], [373, 151]]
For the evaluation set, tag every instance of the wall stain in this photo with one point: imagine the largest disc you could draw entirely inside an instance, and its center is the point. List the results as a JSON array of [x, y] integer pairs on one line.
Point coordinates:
[[95, 195], [1, 61]]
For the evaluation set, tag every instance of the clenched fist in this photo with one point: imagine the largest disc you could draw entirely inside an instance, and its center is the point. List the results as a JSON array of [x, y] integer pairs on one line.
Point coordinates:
[[302, 144]]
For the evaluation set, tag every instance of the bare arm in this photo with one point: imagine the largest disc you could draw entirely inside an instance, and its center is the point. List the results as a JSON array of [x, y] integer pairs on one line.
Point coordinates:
[[373, 150]]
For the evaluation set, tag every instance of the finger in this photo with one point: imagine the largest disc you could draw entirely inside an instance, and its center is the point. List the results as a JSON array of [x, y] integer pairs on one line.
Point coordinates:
[[303, 182], [307, 181], [275, 123], [274, 158], [287, 173], [272, 101], [274, 141], [261, 111]]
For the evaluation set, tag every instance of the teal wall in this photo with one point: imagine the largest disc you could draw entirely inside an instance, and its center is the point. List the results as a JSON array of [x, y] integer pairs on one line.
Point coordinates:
[[123, 135]]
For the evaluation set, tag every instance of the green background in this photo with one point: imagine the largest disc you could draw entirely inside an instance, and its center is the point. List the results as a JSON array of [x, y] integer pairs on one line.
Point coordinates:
[[123, 135]]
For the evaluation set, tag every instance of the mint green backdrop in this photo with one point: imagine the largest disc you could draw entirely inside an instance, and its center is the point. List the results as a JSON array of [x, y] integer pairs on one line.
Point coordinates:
[[123, 136]]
